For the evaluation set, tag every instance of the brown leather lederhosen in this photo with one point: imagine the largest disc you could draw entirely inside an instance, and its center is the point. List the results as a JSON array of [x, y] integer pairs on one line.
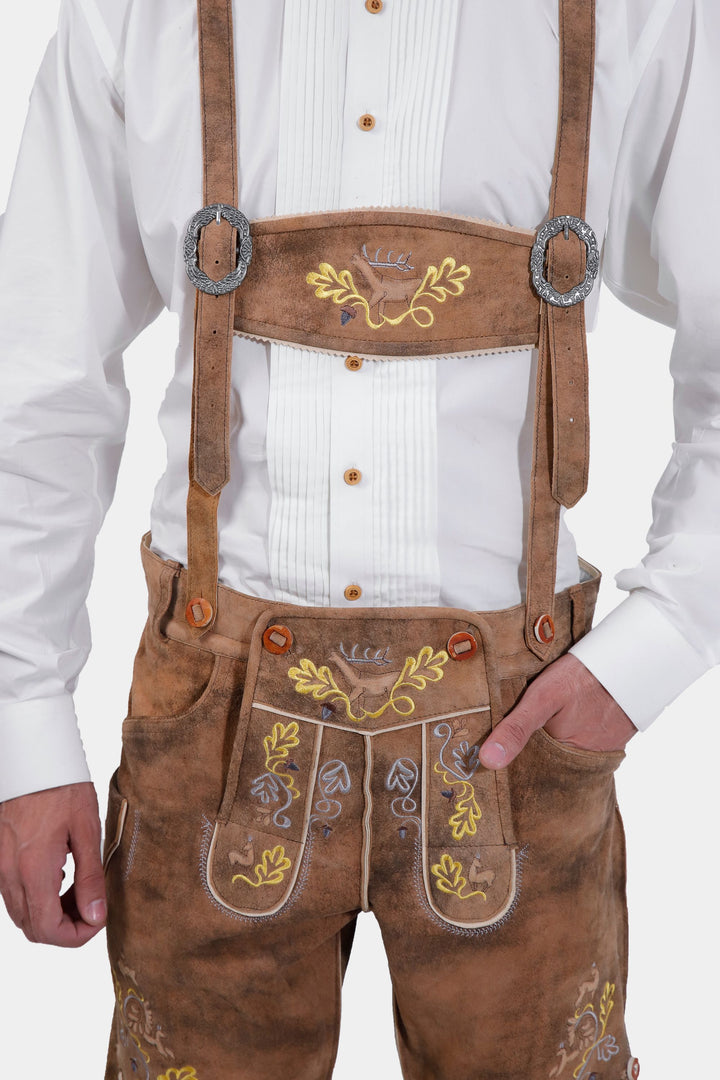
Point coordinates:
[[285, 767]]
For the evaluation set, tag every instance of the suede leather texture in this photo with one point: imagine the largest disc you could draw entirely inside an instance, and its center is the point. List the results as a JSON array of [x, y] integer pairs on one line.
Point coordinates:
[[264, 798], [362, 282]]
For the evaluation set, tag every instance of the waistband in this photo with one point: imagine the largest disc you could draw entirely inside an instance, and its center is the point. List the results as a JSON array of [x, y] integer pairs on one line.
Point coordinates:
[[238, 615]]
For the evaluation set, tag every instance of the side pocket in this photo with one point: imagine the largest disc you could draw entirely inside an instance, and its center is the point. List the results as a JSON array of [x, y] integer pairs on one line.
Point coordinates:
[[576, 758], [114, 821]]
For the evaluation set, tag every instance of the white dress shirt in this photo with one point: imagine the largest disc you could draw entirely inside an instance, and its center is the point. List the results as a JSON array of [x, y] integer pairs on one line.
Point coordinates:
[[464, 95]]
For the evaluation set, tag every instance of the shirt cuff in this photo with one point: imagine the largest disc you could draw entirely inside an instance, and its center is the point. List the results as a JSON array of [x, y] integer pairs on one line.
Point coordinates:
[[640, 658], [40, 746]]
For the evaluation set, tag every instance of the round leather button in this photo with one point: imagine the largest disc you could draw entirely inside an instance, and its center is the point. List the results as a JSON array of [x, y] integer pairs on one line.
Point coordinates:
[[462, 645], [374, 6], [352, 476], [353, 592], [353, 363], [633, 1069], [544, 629], [277, 639], [199, 612], [366, 122]]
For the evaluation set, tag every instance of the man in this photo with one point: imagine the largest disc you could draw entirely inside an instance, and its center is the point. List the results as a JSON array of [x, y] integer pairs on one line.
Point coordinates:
[[572, 703]]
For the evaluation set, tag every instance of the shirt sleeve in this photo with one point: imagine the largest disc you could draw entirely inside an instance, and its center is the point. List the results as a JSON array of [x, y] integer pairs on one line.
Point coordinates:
[[75, 290], [661, 260]]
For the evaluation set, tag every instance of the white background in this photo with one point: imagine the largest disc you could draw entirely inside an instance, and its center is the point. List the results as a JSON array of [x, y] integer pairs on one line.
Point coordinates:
[[55, 1005]]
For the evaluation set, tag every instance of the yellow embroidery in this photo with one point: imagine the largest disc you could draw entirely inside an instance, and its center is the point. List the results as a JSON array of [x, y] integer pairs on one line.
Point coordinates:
[[449, 879], [607, 1001], [187, 1073], [437, 284], [416, 674], [467, 812], [278, 744], [270, 870]]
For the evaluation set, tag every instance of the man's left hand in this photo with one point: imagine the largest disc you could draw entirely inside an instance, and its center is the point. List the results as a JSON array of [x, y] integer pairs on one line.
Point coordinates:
[[573, 707]]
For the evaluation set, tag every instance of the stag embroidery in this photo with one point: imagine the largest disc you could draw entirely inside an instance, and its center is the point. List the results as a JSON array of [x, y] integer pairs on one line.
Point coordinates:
[[391, 280]]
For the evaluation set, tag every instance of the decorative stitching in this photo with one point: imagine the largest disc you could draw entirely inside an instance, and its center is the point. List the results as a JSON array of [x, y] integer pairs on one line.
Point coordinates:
[[417, 672], [333, 777], [137, 817], [270, 870], [403, 777], [437, 284], [587, 1037], [521, 858], [266, 787], [206, 832]]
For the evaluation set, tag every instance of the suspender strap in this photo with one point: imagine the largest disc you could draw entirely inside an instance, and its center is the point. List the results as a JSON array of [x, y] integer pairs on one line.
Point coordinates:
[[214, 314], [560, 447]]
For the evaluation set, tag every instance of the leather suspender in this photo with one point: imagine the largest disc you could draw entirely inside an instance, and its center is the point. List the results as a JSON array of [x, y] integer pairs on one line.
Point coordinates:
[[560, 452], [214, 315], [560, 444]]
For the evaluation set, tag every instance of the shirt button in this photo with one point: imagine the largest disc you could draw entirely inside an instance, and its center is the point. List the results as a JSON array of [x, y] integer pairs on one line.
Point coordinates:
[[353, 363], [352, 476], [366, 122], [374, 6], [353, 592]]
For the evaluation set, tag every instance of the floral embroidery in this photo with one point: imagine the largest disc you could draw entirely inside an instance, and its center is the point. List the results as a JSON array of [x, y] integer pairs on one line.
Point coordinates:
[[390, 281], [403, 778], [456, 776], [139, 1036], [277, 781], [417, 672], [333, 779], [449, 878], [270, 870], [587, 1040]]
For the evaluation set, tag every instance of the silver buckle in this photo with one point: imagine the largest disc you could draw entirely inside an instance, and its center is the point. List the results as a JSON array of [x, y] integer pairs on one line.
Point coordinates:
[[198, 277], [543, 288]]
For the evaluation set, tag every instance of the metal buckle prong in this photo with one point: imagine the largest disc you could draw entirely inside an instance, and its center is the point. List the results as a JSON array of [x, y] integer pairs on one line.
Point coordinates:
[[565, 224], [239, 222]]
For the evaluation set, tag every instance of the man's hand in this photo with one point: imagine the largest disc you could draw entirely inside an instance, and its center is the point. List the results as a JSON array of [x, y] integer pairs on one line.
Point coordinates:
[[36, 834], [571, 704]]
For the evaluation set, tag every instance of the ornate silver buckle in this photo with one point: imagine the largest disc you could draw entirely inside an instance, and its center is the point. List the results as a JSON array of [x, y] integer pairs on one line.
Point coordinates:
[[244, 248], [543, 288]]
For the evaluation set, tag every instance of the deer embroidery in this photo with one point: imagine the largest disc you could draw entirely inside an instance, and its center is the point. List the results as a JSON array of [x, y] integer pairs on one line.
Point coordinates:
[[392, 281], [387, 288]]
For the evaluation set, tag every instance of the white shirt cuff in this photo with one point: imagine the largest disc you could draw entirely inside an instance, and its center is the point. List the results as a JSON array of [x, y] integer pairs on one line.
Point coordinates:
[[640, 658], [40, 746]]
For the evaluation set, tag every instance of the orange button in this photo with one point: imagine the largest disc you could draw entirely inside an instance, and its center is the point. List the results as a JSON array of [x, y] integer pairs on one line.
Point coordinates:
[[633, 1069], [199, 612], [353, 592], [544, 629], [366, 122], [353, 363], [352, 476], [374, 6], [277, 639], [462, 645]]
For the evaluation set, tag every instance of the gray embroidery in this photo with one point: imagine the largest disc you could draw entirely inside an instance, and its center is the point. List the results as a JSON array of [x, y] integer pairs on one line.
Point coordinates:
[[465, 758], [267, 788], [403, 778], [333, 779], [379, 658]]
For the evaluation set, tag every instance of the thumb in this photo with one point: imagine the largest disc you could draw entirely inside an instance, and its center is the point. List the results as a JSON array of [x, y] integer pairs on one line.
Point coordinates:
[[89, 886], [505, 741]]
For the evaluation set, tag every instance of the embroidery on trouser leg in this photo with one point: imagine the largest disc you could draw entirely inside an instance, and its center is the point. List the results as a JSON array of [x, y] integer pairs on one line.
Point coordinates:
[[270, 870], [322, 685], [449, 878], [333, 779], [139, 1037], [587, 1040], [403, 778], [457, 776]]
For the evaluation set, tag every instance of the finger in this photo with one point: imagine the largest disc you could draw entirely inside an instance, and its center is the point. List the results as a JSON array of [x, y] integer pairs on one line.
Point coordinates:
[[505, 741], [89, 887]]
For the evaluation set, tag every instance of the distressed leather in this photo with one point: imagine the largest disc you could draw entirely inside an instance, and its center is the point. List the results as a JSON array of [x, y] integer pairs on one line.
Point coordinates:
[[395, 282]]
